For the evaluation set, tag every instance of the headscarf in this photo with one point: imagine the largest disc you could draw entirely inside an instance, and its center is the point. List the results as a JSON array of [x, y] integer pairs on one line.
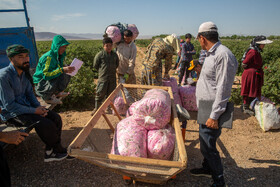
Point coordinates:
[[15, 49], [173, 41], [254, 45]]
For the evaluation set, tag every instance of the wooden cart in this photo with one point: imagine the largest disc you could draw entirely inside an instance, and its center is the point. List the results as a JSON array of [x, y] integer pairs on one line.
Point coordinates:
[[93, 144]]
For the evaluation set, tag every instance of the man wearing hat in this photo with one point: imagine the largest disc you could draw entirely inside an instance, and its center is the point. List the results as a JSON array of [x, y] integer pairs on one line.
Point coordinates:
[[252, 77], [21, 108], [214, 84]]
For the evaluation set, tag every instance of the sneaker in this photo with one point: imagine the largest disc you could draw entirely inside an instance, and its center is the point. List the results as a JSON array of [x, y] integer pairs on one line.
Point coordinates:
[[54, 100], [201, 172], [70, 157], [50, 156], [62, 94], [248, 111]]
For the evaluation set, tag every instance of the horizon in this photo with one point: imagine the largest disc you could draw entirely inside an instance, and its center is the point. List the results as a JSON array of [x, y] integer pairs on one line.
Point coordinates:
[[242, 18]]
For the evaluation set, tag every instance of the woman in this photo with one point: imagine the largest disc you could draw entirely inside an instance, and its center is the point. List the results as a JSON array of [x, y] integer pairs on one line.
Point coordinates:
[[152, 66], [252, 77]]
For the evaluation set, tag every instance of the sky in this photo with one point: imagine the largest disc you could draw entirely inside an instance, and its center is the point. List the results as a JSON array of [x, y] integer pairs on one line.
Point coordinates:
[[152, 17]]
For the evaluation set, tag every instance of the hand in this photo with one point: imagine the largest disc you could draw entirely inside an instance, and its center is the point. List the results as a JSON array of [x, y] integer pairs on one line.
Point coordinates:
[[42, 111], [68, 69], [126, 76], [13, 137], [211, 123]]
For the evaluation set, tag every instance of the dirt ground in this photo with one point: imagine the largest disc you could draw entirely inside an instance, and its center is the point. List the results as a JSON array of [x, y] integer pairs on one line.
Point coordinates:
[[250, 156]]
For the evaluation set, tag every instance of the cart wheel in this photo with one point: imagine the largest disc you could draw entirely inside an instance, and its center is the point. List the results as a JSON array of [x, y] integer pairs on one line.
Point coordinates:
[[127, 180]]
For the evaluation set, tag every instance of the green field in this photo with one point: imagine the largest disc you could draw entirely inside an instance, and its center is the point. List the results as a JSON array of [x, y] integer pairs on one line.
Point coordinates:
[[82, 87]]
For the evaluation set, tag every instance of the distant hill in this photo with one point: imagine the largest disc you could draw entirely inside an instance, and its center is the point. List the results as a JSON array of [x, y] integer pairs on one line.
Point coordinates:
[[77, 36]]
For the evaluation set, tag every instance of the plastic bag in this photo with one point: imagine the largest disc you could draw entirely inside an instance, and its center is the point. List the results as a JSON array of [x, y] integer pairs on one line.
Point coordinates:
[[134, 30], [130, 139], [120, 105], [154, 110], [188, 97], [114, 33], [267, 116], [172, 82], [161, 143]]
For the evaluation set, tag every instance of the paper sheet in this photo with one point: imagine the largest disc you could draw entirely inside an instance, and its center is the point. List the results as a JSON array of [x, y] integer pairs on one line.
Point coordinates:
[[77, 64]]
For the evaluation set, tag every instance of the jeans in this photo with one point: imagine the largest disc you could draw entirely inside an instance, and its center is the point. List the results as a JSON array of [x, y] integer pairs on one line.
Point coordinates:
[[48, 129], [212, 161]]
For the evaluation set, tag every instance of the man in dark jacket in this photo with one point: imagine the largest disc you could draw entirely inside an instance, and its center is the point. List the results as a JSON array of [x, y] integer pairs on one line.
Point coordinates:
[[106, 63]]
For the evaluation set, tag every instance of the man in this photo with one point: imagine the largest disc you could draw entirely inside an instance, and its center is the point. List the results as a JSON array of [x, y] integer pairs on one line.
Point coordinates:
[[214, 84], [51, 77], [21, 108], [106, 63], [158, 50], [186, 54], [126, 52], [12, 137]]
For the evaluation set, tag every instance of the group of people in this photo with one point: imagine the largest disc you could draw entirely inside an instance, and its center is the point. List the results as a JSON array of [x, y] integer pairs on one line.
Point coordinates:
[[218, 67]]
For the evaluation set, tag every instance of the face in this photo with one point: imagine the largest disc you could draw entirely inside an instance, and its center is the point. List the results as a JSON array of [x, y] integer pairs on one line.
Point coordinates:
[[62, 49], [127, 39], [261, 46], [21, 61], [201, 40], [108, 47], [188, 40]]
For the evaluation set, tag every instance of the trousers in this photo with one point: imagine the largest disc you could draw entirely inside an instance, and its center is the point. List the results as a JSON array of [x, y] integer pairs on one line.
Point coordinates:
[[48, 129]]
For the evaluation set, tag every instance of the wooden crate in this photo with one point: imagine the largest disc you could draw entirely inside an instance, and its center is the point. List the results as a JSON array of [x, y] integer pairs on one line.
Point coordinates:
[[100, 141]]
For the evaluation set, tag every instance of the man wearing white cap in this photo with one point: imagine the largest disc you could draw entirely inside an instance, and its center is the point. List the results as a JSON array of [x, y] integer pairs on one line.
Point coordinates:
[[252, 77], [214, 84]]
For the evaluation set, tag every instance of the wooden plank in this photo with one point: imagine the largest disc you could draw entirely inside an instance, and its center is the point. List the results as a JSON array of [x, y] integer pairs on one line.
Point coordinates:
[[147, 161], [145, 86], [80, 138], [123, 95], [108, 122], [178, 132], [116, 111]]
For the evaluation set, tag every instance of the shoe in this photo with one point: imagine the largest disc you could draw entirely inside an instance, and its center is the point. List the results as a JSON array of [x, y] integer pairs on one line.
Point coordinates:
[[62, 94], [217, 185], [201, 172], [54, 100], [59, 149], [50, 156], [247, 110], [219, 182]]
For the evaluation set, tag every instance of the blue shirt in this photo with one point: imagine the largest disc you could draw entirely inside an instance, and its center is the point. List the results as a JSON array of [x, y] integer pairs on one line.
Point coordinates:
[[16, 94], [187, 52]]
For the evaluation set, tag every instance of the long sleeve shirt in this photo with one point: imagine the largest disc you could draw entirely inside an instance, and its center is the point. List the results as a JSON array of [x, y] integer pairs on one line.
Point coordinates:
[[16, 94], [187, 52], [216, 78], [106, 65], [127, 56]]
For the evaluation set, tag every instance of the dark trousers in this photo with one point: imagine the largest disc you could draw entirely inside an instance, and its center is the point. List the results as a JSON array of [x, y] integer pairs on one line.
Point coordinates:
[[184, 69], [5, 178], [46, 88], [212, 161], [103, 90], [48, 129]]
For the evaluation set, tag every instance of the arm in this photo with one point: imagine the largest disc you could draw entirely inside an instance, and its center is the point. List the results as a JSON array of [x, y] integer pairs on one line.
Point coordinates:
[[48, 75], [30, 96], [8, 101], [132, 59], [96, 61], [226, 68]]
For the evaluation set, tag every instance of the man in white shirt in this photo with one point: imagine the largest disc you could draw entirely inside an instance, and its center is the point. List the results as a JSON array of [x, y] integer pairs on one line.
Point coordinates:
[[127, 55]]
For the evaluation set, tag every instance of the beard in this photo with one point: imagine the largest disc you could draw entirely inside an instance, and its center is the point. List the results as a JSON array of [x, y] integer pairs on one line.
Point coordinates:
[[24, 67]]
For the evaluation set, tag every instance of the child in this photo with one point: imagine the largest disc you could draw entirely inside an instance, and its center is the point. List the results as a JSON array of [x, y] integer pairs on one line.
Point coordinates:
[[106, 63]]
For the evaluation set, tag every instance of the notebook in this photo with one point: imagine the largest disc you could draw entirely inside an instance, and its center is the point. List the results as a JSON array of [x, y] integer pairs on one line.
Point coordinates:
[[204, 111]]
